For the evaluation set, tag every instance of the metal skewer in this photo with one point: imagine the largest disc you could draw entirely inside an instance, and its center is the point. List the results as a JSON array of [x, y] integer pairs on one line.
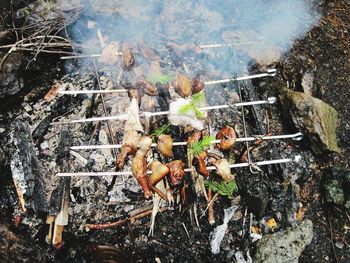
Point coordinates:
[[296, 136], [210, 168], [270, 100], [268, 73], [201, 47]]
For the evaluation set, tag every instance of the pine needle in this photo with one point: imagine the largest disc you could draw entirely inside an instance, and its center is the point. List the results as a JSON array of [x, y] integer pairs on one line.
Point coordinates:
[[161, 130]]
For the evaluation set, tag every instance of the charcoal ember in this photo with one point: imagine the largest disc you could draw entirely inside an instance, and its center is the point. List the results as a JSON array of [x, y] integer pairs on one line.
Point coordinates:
[[19, 248], [10, 82], [27, 172], [62, 158], [256, 112], [254, 190], [59, 107]]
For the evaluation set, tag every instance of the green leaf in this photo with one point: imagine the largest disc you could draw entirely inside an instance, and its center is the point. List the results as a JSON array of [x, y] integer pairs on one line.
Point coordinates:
[[202, 145], [161, 130], [222, 188]]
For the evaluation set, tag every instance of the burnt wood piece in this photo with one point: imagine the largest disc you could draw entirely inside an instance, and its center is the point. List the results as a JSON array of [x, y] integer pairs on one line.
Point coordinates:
[[256, 113], [27, 172], [61, 192], [61, 106], [254, 189]]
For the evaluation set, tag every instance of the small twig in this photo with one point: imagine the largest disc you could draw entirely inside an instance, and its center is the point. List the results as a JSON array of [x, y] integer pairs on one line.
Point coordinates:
[[123, 221], [211, 217], [188, 235], [331, 234], [160, 193]]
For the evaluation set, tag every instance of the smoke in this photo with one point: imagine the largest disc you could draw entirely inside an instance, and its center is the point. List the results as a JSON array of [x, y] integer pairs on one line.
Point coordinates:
[[279, 22]]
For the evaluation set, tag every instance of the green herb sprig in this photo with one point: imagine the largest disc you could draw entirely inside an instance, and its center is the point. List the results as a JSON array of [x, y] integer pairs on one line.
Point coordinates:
[[222, 188], [161, 130], [200, 146]]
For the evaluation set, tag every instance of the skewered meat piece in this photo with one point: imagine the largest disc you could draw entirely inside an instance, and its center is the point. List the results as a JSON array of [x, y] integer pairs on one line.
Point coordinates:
[[132, 122], [159, 171], [182, 85], [144, 145], [139, 171], [176, 117], [129, 147], [176, 172], [165, 145], [200, 166], [146, 87], [223, 169], [109, 54], [197, 84], [135, 94], [147, 52], [195, 137], [127, 56], [181, 50], [228, 137]]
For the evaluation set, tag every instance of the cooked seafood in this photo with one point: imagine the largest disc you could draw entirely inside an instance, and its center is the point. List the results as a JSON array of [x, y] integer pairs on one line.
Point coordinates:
[[197, 84], [127, 56], [182, 85], [129, 147], [165, 145], [176, 117], [139, 171], [159, 171], [176, 172], [223, 169], [200, 166], [228, 137]]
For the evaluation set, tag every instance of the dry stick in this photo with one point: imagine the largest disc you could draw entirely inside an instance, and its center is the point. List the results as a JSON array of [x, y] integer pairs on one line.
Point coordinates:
[[160, 193], [211, 217], [123, 221]]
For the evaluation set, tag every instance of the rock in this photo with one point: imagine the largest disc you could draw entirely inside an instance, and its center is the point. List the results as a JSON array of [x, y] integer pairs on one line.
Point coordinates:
[[254, 190], [314, 117], [284, 246], [337, 187], [307, 82]]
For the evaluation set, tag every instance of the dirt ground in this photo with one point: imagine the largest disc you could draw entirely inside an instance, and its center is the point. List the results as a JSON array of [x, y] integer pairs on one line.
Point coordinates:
[[325, 52]]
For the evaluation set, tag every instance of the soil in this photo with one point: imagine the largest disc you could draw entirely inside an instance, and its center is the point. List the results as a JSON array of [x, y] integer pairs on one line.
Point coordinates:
[[325, 52]]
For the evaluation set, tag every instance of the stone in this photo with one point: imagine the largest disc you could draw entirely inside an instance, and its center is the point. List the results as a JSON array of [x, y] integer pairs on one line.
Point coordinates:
[[314, 117], [337, 187], [284, 246]]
